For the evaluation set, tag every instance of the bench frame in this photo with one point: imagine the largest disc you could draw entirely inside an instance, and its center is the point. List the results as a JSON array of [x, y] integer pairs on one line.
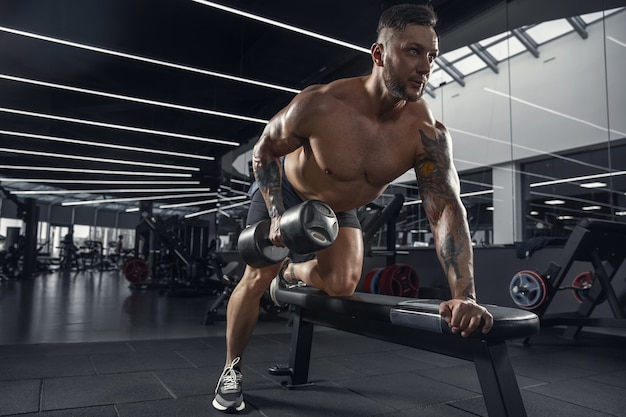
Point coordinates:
[[497, 379]]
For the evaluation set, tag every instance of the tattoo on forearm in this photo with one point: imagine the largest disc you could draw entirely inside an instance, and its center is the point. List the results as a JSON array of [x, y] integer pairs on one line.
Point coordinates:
[[268, 177], [450, 253], [468, 291]]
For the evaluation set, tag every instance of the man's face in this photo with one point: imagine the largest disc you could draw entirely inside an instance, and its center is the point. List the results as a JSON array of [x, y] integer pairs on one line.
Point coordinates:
[[408, 59]]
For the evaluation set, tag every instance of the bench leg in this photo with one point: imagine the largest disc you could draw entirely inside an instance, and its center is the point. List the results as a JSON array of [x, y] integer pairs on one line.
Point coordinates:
[[497, 380], [300, 355]]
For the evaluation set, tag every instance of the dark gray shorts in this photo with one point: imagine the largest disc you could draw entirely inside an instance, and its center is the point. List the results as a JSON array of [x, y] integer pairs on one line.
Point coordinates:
[[258, 209]]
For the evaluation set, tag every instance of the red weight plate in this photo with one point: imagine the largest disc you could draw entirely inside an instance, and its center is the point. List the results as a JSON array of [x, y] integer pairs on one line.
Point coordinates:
[[367, 281], [583, 282], [400, 280]]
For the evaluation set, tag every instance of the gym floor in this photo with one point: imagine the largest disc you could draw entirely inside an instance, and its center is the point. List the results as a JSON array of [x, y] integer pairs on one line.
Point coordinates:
[[84, 344]]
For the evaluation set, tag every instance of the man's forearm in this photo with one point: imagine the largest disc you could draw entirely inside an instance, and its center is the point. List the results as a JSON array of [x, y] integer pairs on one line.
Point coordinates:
[[455, 253]]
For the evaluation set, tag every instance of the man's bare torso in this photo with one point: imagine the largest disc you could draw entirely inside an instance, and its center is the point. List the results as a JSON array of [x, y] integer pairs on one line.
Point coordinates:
[[353, 152]]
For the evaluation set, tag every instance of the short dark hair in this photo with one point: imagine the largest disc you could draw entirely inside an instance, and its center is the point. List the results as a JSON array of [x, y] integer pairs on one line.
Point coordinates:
[[399, 16]]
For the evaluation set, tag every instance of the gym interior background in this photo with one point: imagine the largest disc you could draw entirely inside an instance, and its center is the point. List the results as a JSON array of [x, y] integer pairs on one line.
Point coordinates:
[[114, 113]]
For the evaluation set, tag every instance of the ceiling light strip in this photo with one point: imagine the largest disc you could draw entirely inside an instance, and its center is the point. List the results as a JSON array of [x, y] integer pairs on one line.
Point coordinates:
[[132, 99], [620, 43], [119, 127], [514, 145], [94, 159], [198, 203], [147, 60], [109, 182], [126, 199], [200, 213], [189, 204], [110, 191], [96, 171], [557, 113], [582, 178], [471, 194], [283, 26], [106, 145]]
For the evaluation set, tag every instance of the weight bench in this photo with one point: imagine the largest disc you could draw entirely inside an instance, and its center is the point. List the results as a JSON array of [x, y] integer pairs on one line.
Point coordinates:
[[415, 323]]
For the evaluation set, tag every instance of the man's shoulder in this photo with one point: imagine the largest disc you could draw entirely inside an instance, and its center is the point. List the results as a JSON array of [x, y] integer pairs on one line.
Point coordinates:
[[326, 96]]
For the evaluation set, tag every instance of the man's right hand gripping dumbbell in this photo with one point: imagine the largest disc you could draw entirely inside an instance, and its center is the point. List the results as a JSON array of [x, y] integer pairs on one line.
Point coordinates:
[[305, 228]]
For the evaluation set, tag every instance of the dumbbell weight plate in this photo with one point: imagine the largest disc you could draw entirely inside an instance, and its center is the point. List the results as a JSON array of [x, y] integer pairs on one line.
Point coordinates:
[[528, 290], [255, 247], [309, 227]]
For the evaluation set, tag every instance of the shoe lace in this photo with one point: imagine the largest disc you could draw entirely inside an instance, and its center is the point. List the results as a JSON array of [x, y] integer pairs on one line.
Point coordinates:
[[230, 377]]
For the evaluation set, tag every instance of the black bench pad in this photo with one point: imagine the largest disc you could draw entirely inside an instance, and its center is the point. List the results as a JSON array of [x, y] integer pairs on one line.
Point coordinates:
[[509, 323]]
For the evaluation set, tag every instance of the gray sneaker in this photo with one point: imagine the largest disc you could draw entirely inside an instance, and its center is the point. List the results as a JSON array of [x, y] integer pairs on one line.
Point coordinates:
[[279, 281], [229, 392]]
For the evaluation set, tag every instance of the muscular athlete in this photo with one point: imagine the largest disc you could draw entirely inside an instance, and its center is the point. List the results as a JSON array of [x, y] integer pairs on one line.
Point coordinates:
[[343, 143]]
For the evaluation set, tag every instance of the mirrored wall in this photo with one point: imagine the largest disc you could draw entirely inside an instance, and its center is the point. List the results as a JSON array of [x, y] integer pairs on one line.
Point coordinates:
[[536, 113]]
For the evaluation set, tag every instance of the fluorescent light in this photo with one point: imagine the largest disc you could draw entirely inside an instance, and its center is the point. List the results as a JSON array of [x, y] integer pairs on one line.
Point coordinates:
[[590, 208], [475, 193], [554, 202], [94, 159], [145, 59], [236, 181], [121, 200], [612, 39], [132, 210], [189, 204], [566, 116], [108, 145], [283, 26], [134, 99], [109, 182], [111, 191], [596, 184], [565, 217], [620, 213], [472, 194], [96, 171], [213, 210], [582, 178], [534, 213], [119, 127], [489, 208], [105, 145]]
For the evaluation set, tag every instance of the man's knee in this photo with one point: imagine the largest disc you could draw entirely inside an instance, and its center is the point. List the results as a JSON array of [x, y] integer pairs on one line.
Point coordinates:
[[256, 280], [341, 283]]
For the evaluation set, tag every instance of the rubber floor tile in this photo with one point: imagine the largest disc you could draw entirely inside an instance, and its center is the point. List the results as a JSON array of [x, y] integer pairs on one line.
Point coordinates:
[[19, 396], [73, 392]]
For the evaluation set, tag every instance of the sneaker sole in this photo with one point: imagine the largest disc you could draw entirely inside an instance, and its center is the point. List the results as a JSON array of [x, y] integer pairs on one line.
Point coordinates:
[[231, 408], [274, 285]]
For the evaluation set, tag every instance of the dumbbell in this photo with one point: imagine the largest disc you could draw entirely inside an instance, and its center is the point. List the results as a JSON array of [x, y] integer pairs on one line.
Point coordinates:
[[305, 228]]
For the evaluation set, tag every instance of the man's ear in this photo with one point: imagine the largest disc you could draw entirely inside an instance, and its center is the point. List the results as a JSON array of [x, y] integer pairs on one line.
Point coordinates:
[[377, 53]]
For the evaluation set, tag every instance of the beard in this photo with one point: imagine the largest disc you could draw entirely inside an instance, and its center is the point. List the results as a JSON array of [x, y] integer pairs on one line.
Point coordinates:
[[396, 86]]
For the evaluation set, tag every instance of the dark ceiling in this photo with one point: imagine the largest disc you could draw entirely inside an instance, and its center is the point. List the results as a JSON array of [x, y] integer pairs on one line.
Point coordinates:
[[71, 44]]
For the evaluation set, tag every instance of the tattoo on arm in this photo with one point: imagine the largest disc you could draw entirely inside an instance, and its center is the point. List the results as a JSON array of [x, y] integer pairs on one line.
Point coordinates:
[[438, 187], [268, 176], [432, 172], [450, 254]]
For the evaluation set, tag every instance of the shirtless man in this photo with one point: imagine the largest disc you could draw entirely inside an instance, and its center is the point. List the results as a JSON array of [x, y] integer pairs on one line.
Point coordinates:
[[343, 143]]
